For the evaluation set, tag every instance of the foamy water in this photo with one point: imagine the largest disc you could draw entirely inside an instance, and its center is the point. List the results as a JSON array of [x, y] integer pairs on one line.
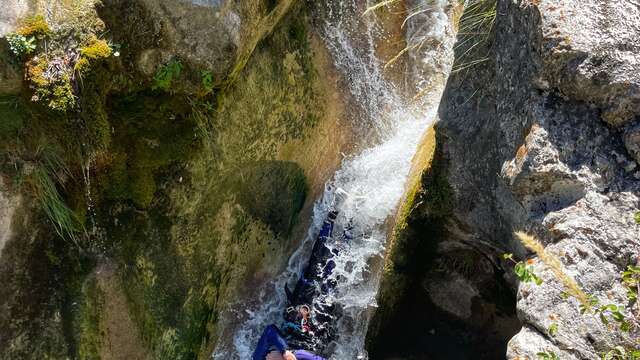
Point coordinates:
[[365, 190]]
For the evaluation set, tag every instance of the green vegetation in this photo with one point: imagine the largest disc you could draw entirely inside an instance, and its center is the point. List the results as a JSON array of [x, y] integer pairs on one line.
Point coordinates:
[[188, 193], [207, 82], [607, 313], [166, 74], [95, 50], [523, 270], [636, 217], [620, 353], [90, 321], [23, 41], [547, 355], [64, 220], [475, 29], [631, 281], [34, 26], [20, 45]]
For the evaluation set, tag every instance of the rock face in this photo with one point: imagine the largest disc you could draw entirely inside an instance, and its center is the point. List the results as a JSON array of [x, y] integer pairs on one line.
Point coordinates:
[[8, 204], [218, 35], [540, 134], [132, 249], [12, 10]]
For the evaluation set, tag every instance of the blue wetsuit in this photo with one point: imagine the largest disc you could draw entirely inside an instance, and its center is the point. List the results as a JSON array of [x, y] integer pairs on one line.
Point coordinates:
[[272, 340]]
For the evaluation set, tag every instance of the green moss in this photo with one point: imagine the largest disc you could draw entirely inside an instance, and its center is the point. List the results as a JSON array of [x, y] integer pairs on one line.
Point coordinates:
[[153, 132], [60, 96], [143, 187], [90, 321], [12, 118], [272, 191], [34, 26], [95, 50], [52, 89]]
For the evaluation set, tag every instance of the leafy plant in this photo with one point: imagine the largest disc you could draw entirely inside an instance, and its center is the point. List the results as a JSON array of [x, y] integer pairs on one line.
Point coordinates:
[[631, 281], [636, 217], [21, 45], [553, 329], [613, 312], [547, 355], [166, 74], [620, 353], [523, 271], [207, 80]]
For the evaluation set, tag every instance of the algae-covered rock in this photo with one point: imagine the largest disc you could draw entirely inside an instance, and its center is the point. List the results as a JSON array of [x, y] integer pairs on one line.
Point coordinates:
[[182, 190]]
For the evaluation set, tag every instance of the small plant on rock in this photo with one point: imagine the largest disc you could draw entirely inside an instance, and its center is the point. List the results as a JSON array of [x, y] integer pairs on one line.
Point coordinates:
[[608, 314], [166, 74], [636, 217], [631, 281], [524, 270], [547, 355], [23, 42], [620, 353], [20, 45]]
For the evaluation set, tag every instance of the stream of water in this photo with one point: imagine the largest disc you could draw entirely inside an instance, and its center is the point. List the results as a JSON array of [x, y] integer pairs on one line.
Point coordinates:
[[369, 184]]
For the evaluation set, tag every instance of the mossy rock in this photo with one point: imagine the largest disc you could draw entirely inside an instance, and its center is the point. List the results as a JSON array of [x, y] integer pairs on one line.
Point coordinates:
[[12, 117], [274, 192]]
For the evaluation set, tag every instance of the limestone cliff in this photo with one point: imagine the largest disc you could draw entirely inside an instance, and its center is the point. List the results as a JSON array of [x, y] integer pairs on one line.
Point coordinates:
[[537, 132]]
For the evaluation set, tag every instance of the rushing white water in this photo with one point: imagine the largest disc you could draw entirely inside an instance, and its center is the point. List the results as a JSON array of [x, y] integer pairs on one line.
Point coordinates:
[[369, 184]]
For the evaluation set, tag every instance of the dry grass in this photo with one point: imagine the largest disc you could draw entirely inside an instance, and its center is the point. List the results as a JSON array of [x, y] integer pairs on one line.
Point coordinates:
[[555, 265]]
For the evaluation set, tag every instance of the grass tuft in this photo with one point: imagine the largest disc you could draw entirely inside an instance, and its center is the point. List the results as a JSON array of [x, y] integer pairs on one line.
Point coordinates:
[[474, 32], [554, 264], [66, 223]]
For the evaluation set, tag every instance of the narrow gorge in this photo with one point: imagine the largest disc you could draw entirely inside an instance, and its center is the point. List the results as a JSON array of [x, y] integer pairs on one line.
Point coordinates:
[[168, 168]]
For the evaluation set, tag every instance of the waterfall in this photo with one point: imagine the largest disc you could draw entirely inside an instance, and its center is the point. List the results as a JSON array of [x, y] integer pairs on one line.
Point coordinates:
[[370, 183]]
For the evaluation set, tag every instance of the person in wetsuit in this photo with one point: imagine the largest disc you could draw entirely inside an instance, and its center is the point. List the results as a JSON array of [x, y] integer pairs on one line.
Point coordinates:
[[273, 346], [299, 331]]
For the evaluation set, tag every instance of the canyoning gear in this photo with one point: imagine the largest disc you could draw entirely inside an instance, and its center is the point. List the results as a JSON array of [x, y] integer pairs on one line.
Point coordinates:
[[309, 314], [273, 340], [270, 340], [314, 331]]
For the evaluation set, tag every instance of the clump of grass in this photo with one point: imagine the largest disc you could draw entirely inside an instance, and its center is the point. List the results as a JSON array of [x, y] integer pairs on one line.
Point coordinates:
[[65, 222], [474, 31], [206, 77], [554, 264]]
